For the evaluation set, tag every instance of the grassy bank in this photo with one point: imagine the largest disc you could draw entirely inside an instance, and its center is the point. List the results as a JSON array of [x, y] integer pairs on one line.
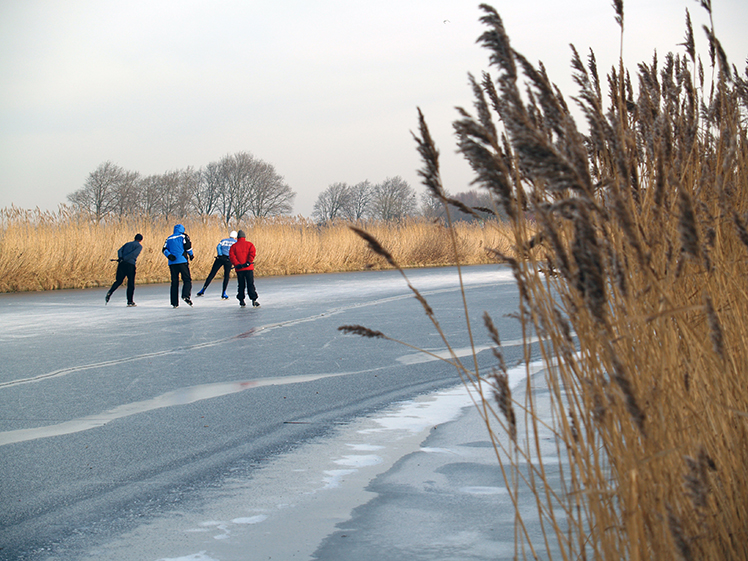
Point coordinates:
[[45, 250]]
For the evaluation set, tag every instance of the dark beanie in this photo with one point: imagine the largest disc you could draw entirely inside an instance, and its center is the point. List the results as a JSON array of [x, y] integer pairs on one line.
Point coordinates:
[[138, 237], [241, 234]]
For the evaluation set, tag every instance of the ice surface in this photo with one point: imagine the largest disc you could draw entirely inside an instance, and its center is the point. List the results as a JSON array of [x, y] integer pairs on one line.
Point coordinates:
[[107, 387], [308, 502]]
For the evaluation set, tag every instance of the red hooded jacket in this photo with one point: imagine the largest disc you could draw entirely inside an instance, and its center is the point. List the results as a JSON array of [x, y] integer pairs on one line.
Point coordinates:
[[242, 255]]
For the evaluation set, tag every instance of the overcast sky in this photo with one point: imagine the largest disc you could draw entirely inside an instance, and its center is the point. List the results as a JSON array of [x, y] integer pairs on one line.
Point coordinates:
[[325, 90]]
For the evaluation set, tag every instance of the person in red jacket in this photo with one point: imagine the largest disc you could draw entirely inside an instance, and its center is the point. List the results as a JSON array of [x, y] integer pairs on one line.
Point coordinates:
[[242, 256]]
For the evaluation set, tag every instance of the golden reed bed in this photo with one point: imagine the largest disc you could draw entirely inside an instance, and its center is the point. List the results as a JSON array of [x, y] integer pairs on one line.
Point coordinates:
[[55, 250]]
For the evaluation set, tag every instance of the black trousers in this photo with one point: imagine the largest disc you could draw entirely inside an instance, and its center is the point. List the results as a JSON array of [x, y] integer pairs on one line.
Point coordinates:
[[125, 270], [217, 264], [176, 270], [246, 279]]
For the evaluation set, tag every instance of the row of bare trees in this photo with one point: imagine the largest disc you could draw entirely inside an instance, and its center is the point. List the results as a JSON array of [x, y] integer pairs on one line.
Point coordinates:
[[238, 186], [390, 200], [467, 206], [393, 199], [241, 185]]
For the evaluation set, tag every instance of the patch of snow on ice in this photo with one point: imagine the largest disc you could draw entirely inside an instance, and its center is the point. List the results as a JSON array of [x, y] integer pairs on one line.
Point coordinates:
[[359, 460], [250, 520], [365, 447], [478, 490], [431, 450], [334, 476], [415, 417], [194, 557]]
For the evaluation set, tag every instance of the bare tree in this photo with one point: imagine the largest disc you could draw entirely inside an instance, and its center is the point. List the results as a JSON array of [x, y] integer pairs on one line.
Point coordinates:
[[237, 186], [176, 192], [169, 187], [236, 172], [332, 203], [431, 207], [271, 196], [98, 195], [393, 199], [226, 191], [359, 200], [481, 203], [251, 187], [208, 192], [125, 194], [189, 184], [149, 195]]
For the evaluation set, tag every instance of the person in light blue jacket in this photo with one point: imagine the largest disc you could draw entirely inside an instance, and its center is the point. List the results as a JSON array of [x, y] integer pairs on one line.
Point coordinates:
[[222, 260], [178, 250]]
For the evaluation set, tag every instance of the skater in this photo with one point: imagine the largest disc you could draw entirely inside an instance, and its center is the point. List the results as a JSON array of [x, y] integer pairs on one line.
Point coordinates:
[[178, 250], [242, 255], [127, 255], [222, 260]]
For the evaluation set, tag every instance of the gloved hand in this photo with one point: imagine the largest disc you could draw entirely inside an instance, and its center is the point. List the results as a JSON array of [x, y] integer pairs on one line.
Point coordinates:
[[171, 257], [119, 260], [191, 256]]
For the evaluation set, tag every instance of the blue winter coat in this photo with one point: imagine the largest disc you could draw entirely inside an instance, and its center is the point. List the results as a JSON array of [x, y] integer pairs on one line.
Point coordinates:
[[129, 252], [178, 245], [223, 247]]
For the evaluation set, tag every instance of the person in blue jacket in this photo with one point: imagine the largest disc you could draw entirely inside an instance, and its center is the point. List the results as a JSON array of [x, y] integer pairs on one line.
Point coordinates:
[[222, 260], [127, 255], [178, 250]]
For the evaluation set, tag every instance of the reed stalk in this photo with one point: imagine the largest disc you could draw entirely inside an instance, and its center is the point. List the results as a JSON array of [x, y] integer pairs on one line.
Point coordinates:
[[634, 276]]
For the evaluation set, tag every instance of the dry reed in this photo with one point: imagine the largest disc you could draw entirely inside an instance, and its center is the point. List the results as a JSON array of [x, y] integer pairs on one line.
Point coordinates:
[[54, 250], [635, 279]]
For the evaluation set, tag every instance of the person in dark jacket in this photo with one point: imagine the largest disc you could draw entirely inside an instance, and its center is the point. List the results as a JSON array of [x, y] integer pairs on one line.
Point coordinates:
[[222, 260], [242, 256], [127, 255], [178, 250]]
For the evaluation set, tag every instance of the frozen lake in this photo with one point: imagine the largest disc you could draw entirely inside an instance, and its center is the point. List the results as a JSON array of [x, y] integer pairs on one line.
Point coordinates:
[[113, 416]]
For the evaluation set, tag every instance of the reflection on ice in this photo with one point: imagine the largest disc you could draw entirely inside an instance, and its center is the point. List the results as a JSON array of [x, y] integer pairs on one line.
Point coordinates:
[[314, 499], [357, 285], [413, 418], [445, 354], [182, 396]]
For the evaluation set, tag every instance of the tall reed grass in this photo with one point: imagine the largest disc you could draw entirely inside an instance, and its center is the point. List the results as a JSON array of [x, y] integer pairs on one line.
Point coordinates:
[[636, 282], [54, 250]]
